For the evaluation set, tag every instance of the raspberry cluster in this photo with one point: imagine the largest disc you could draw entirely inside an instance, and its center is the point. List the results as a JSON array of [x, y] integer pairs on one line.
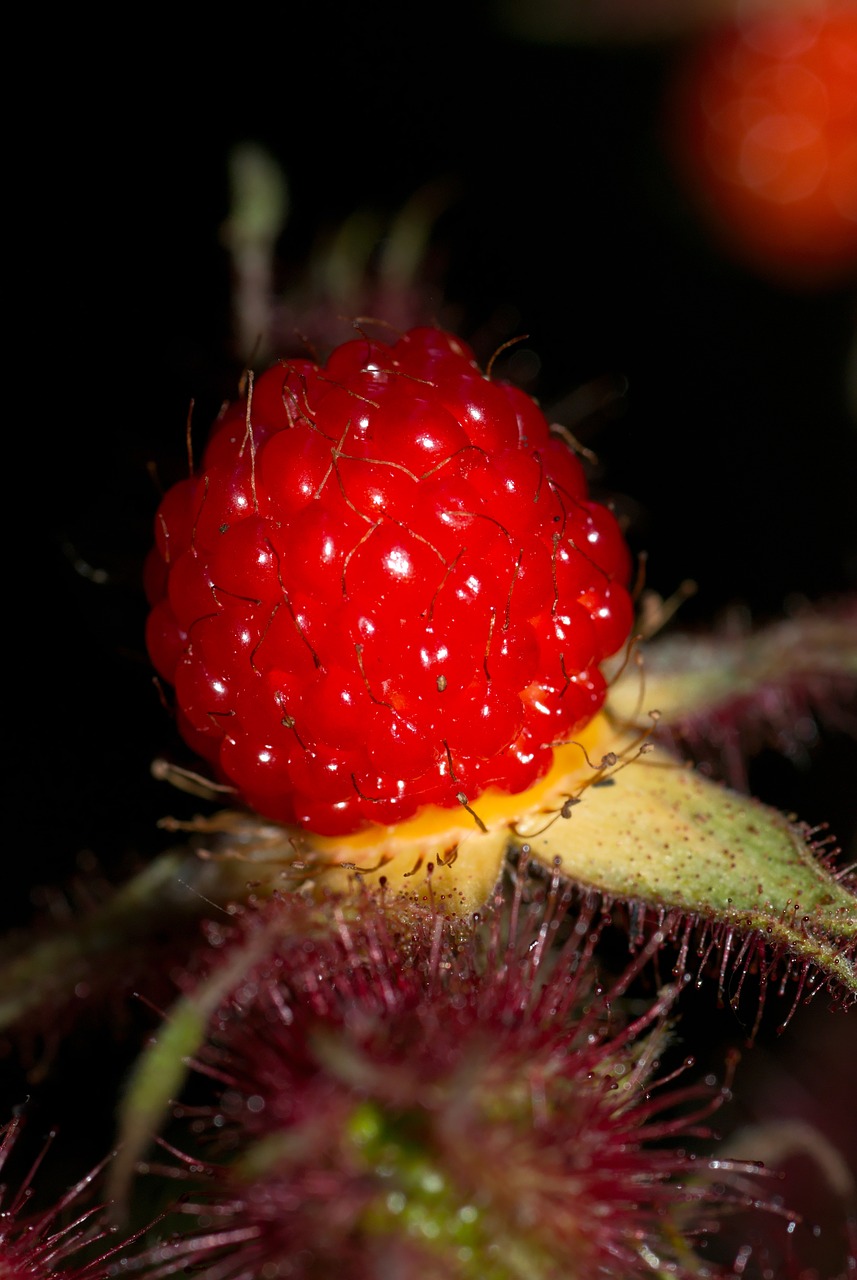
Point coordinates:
[[385, 587]]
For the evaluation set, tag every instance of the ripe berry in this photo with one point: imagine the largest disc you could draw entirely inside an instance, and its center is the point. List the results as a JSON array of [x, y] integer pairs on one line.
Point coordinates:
[[385, 586]]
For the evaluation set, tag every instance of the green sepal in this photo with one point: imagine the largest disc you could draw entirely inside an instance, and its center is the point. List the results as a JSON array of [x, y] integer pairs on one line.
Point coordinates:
[[160, 1071], [654, 832], [692, 678]]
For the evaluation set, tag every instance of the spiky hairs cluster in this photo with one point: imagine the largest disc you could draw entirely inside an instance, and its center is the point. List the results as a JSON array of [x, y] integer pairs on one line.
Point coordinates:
[[454, 1102], [68, 1240]]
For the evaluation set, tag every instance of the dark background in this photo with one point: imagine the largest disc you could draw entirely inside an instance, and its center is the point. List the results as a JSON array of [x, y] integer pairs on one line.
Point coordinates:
[[733, 450]]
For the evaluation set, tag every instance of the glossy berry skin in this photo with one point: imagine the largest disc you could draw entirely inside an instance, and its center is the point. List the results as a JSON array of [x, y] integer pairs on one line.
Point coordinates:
[[385, 587], [765, 115]]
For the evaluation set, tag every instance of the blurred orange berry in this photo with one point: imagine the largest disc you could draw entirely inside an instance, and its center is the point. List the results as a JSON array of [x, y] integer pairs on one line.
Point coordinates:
[[765, 114]]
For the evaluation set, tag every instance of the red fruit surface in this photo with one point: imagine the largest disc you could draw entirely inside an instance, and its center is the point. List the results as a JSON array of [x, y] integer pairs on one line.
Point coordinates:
[[385, 586], [766, 117]]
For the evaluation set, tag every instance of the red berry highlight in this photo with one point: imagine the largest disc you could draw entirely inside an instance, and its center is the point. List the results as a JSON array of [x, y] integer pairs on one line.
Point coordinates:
[[385, 585]]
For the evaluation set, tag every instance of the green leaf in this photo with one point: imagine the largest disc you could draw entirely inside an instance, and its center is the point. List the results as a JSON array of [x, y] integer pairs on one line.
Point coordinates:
[[650, 830]]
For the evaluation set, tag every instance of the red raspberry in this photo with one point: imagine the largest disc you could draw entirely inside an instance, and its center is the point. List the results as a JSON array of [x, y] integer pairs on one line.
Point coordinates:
[[386, 587]]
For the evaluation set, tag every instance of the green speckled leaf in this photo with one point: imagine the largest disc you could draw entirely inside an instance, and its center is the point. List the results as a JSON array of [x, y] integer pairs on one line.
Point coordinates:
[[660, 834]]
